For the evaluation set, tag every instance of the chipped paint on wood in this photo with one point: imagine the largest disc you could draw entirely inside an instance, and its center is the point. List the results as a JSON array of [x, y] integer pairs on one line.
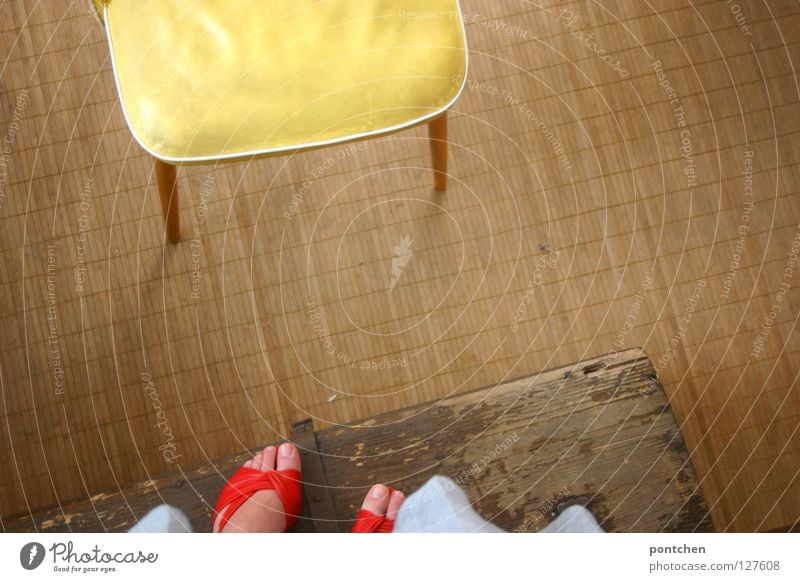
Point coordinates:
[[594, 438]]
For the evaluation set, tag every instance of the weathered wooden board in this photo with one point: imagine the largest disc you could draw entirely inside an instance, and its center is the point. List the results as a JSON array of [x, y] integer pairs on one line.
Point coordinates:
[[195, 492], [600, 433], [610, 195]]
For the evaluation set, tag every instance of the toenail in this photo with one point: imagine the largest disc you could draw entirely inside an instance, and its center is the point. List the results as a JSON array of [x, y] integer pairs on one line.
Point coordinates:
[[379, 491], [286, 450]]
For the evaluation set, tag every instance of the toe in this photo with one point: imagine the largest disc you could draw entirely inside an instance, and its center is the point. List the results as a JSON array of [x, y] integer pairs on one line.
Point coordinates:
[[248, 464], [268, 459], [395, 501], [377, 500], [288, 457], [256, 464]]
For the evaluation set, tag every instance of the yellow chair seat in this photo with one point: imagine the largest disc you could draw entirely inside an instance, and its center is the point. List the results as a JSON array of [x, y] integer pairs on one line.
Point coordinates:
[[204, 80]]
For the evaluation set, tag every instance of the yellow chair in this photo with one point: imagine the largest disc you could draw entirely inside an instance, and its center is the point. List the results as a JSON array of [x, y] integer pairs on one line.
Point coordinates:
[[214, 80]]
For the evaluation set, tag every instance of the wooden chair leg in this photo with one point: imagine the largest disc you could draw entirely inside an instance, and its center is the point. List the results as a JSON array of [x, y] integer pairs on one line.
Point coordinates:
[[167, 177], [437, 133]]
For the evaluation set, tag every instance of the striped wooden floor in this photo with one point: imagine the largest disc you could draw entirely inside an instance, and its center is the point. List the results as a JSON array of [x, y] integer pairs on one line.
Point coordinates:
[[623, 174]]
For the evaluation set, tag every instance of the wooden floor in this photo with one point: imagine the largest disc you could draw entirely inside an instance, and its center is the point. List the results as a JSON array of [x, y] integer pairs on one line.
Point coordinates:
[[648, 198]]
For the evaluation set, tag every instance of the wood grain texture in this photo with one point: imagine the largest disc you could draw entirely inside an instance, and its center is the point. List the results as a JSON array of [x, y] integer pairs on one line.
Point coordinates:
[[195, 492]]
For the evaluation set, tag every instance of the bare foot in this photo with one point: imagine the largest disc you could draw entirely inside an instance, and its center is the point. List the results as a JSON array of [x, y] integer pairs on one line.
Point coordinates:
[[381, 503], [264, 511]]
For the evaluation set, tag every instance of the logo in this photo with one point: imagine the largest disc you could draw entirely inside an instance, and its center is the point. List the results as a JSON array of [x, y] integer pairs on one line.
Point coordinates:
[[31, 555], [402, 255]]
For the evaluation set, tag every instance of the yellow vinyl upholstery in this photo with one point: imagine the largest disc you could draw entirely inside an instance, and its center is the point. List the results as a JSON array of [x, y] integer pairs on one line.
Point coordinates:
[[204, 80]]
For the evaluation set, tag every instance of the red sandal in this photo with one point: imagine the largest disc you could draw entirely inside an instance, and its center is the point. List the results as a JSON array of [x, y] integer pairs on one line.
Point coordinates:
[[246, 482], [368, 522]]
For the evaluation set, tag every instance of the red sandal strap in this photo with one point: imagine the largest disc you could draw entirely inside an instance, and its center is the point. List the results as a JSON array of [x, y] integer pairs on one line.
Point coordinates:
[[368, 522], [246, 482]]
